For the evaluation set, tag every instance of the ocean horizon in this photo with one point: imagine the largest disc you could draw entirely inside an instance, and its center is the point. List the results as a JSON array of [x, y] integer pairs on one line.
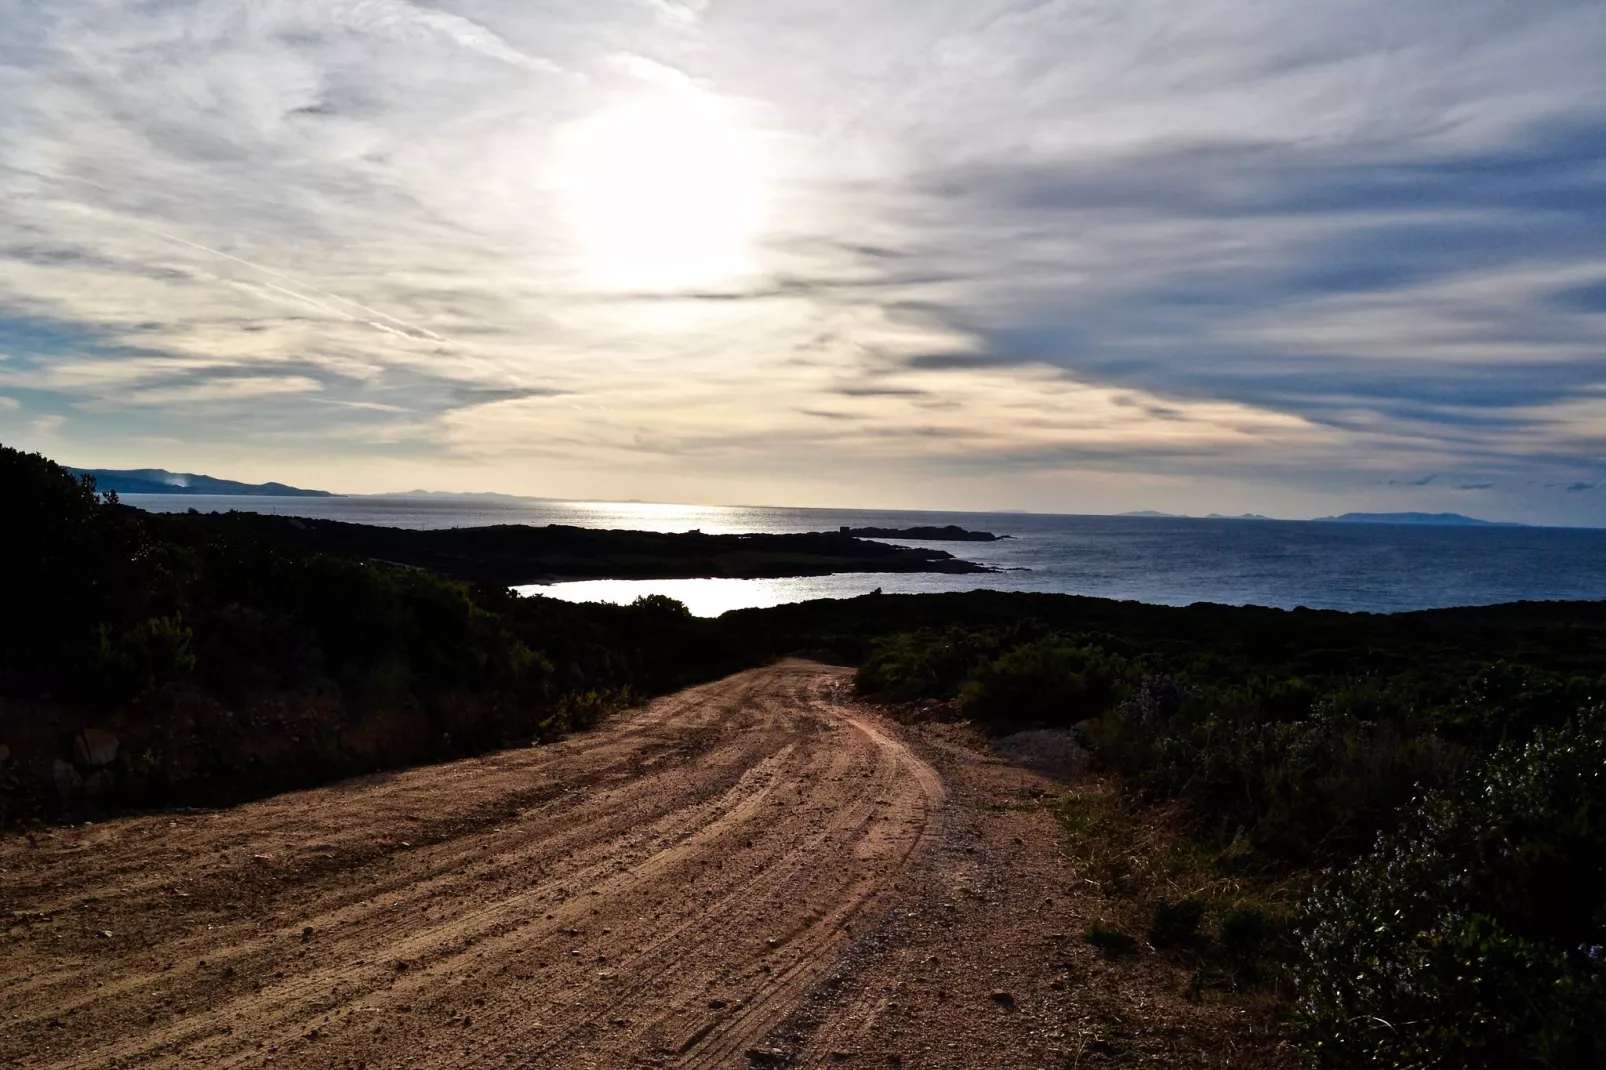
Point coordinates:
[[1357, 567]]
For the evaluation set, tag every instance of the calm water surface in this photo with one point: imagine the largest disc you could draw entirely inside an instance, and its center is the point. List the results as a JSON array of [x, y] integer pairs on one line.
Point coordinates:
[[1284, 563]]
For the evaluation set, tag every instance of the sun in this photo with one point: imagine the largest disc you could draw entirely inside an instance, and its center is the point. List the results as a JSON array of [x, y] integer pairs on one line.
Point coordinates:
[[663, 192]]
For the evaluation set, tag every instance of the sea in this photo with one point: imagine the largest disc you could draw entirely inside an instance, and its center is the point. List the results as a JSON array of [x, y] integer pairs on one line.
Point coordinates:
[[1378, 568]]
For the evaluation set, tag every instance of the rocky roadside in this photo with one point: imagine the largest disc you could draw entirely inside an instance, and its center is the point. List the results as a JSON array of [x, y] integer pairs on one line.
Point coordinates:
[[982, 962]]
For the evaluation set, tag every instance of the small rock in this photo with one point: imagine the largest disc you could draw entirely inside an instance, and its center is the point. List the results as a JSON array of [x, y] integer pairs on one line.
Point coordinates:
[[1004, 999], [105, 934], [717, 1004], [66, 777], [306, 932], [95, 747]]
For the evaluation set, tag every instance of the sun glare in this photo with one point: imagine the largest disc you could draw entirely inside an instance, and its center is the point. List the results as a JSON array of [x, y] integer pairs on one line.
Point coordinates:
[[663, 192]]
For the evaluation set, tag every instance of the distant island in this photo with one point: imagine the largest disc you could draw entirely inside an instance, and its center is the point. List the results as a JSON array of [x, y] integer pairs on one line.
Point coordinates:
[[929, 533], [1155, 514], [1424, 519], [1441, 519], [161, 481]]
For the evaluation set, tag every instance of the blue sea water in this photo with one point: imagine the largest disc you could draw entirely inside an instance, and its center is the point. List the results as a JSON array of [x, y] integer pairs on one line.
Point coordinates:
[[1173, 561]]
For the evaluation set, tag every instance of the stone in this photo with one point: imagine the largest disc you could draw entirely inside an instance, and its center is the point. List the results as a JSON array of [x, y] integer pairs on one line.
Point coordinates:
[[1004, 999], [68, 782], [95, 747]]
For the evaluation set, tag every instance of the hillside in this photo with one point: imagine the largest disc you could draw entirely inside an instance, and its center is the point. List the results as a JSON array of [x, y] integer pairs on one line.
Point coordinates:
[[161, 481]]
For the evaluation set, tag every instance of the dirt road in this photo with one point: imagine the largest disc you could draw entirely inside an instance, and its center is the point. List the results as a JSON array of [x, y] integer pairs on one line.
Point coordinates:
[[752, 872]]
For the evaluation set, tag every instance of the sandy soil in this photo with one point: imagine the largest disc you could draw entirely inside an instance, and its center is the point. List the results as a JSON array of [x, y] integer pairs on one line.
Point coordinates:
[[752, 872]]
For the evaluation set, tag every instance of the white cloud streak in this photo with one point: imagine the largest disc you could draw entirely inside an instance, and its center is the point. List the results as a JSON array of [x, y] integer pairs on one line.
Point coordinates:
[[1292, 247]]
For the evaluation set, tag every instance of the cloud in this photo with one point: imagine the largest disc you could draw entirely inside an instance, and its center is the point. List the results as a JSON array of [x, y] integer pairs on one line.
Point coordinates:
[[1288, 246], [245, 388]]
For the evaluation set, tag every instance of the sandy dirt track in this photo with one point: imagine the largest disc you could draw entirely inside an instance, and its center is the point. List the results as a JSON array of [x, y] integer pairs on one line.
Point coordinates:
[[754, 872], [661, 891]]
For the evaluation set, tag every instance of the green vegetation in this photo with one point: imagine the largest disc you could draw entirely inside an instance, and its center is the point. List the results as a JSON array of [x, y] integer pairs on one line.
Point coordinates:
[[1401, 818], [1439, 802], [1474, 935], [231, 664]]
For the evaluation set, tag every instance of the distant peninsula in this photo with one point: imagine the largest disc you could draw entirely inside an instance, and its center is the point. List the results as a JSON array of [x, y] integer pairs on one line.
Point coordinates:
[[514, 554], [1440, 519], [161, 481]]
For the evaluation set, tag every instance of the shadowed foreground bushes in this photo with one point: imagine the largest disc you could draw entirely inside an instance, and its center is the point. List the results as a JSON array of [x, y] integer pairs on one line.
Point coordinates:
[[1475, 935], [227, 665], [1449, 811]]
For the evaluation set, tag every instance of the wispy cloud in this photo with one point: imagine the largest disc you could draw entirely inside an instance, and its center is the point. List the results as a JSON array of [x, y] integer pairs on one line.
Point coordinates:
[[1267, 253]]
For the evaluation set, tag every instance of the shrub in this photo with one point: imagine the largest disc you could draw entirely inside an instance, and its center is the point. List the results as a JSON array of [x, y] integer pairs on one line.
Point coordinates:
[[1110, 940], [1245, 933], [1044, 684], [923, 664], [1176, 923], [1473, 936], [133, 664]]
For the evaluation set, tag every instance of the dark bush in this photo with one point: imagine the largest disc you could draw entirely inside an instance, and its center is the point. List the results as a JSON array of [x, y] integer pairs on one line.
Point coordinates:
[[1110, 940], [1176, 923], [1473, 936], [924, 664], [1044, 684], [1245, 933]]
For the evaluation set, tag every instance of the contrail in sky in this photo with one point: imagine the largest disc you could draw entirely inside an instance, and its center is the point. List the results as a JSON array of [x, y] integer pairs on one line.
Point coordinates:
[[411, 329]]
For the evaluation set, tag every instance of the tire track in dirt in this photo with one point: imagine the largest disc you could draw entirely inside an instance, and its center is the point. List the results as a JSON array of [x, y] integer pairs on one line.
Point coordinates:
[[661, 891]]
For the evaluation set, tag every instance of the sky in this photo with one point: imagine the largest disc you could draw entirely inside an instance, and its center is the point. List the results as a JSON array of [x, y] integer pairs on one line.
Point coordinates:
[[1060, 255]]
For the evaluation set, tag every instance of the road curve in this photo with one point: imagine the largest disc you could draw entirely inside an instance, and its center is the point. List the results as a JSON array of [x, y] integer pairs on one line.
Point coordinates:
[[663, 891]]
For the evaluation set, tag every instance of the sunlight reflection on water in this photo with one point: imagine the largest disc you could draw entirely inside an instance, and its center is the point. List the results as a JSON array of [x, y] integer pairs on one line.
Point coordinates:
[[711, 597]]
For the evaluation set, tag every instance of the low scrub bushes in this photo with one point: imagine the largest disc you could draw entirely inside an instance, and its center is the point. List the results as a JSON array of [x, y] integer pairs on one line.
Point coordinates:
[[1049, 683], [1474, 936], [1005, 679], [245, 664], [1456, 806]]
